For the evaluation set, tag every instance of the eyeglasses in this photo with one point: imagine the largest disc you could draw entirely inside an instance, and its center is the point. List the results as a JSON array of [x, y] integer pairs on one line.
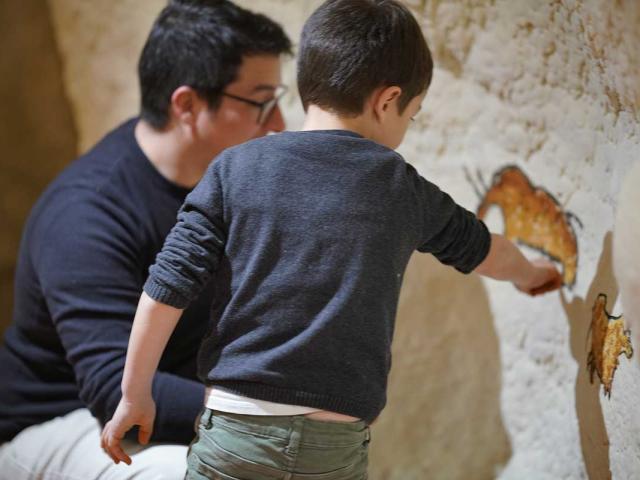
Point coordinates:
[[267, 107]]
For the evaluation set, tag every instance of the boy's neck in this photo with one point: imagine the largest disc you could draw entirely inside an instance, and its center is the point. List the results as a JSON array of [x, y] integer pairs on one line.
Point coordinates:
[[319, 119]]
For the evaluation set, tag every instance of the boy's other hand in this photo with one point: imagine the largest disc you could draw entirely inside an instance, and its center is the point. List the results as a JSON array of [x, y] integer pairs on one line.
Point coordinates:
[[127, 415], [545, 277]]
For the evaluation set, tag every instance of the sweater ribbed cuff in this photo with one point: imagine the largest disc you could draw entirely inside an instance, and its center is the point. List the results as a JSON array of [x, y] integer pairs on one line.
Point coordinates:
[[163, 294], [481, 252]]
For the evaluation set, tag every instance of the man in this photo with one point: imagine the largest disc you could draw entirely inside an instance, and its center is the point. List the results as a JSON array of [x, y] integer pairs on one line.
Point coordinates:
[[210, 78]]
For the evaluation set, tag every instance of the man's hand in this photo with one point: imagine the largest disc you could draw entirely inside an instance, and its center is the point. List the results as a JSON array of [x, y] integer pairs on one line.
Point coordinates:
[[544, 278], [141, 412]]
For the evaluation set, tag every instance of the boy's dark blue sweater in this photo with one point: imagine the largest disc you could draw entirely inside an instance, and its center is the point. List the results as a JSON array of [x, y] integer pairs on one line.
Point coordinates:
[[310, 233], [83, 260]]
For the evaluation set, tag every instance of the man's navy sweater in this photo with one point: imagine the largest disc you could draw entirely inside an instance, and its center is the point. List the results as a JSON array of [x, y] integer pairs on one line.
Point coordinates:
[[313, 231], [83, 260]]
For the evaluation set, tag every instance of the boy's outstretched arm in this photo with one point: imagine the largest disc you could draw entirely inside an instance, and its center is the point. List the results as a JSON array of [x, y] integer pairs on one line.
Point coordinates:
[[153, 324], [505, 262]]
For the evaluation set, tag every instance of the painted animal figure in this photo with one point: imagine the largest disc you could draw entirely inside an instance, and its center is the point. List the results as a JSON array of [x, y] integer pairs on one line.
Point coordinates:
[[609, 340], [533, 217]]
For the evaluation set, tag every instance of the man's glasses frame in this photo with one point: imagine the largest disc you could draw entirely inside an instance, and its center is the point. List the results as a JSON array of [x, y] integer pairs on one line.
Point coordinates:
[[267, 107]]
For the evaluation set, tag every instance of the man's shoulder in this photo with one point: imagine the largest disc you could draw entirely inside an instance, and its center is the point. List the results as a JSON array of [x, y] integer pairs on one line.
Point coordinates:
[[100, 184], [94, 168]]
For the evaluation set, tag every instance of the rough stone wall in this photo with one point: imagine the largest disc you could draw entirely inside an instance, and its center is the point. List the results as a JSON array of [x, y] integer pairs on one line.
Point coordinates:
[[626, 249], [486, 383], [552, 87], [100, 43], [37, 131]]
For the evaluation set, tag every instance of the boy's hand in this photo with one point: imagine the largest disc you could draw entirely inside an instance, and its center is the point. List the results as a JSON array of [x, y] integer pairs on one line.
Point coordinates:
[[544, 278], [127, 415]]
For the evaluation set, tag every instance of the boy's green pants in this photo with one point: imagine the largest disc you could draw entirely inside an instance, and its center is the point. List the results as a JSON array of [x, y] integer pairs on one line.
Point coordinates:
[[248, 447]]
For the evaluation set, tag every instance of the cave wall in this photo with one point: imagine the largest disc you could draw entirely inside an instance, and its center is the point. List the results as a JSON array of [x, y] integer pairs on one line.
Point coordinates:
[[37, 129]]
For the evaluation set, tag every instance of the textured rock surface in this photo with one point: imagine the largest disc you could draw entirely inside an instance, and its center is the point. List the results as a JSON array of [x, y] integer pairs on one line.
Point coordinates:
[[486, 383], [444, 392], [552, 88], [100, 43], [626, 249], [37, 133]]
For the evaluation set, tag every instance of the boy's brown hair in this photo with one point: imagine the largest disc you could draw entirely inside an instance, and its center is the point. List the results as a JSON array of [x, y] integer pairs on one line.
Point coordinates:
[[351, 47]]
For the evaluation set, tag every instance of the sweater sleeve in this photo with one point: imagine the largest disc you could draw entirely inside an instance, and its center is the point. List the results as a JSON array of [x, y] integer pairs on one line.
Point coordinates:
[[192, 250], [454, 235], [89, 269]]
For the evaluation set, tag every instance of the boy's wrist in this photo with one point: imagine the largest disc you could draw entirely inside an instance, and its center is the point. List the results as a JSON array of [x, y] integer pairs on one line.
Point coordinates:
[[135, 392], [527, 277]]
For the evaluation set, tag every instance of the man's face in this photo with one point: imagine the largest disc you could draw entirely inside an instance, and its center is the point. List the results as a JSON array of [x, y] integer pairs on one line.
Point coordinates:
[[236, 120]]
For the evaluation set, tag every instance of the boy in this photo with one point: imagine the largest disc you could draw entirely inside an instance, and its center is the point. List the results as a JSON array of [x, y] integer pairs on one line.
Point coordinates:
[[312, 231]]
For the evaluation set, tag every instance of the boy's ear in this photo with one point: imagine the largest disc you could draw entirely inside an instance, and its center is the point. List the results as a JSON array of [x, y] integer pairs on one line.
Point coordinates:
[[185, 104], [385, 101]]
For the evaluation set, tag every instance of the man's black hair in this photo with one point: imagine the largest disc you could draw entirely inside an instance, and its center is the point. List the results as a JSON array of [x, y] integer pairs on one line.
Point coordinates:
[[200, 44], [351, 47]]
